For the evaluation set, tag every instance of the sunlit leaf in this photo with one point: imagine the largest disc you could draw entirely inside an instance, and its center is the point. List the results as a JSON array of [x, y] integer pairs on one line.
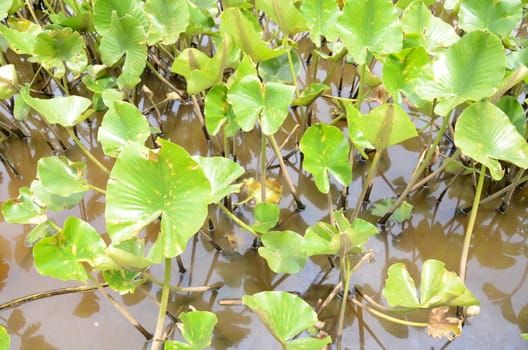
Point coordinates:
[[310, 93], [513, 109], [60, 49], [63, 110], [61, 256], [61, 176], [200, 71], [23, 210], [167, 19], [218, 112], [484, 133], [4, 7], [125, 36], [146, 184], [524, 336], [122, 124], [54, 201], [321, 239], [20, 35], [196, 328], [123, 281], [8, 81], [268, 102], [266, 216], [353, 115], [369, 26], [235, 23], [451, 82], [402, 213], [400, 289], [499, 17], [284, 13], [283, 251], [285, 314], [386, 125], [220, 172], [5, 340], [103, 11], [308, 343], [326, 149], [277, 69], [321, 16]]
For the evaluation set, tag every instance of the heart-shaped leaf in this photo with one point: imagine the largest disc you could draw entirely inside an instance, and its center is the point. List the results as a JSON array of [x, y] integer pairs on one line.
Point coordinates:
[[220, 172], [499, 17], [284, 13], [484, 133], [122, 124], [24, 210], [200, 71], [61, 256], [283, 251], [369, 26], [285, 314], [266, 216], [146, 184], [60, 176], [321, 18], [451, 82], [196, 328], [64, 110], [103, 11], [326, 149], [167, 19]]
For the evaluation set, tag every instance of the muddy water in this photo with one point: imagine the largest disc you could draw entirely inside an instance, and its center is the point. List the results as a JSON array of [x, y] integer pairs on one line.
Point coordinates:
[[496, 273]]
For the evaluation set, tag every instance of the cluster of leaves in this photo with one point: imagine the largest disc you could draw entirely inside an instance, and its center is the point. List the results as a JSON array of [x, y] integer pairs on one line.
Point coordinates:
[[110, 44]]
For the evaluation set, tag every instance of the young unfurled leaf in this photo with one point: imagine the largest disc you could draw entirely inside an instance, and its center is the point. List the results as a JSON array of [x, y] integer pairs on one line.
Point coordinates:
[[61, 256], [484, 133], [286, 315], [196, 328], [326, 149], [283, 251]]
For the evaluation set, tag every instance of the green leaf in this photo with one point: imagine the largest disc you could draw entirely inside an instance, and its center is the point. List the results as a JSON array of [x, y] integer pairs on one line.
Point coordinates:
[[61, 256], [498, 17], [200, 71], [103, 12], [220, 172], [321, 239], [386, 125], [524, 336], [266, 216], [167, 20], [44, 229], [240, 27], [196, 328], [277, 69], [5, 340], [400, 215], [145, 184], [484, 133], [433, 33], [399, 287], [308, 343], [54, 201], [326, 149], [123, 281], [125, 36], [283, 251], [122, 124], [369, 26], [218, 112], [4, 7], [25, 209], [310, 93], [59, 49], [285, 314], [64, 110], [321, 16], [20, 35], [438, 287], [451, 82], [401, 72], [284, 14], [513, 109], [252, 99], [60, 176], [8, 81], [353, 115]]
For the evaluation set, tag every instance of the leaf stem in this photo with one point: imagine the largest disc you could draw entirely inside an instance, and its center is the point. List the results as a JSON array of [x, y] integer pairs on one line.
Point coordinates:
[[471, 224], [389, 318], [364, 189], [97, 189], [237, 220], [86, 152], [158, 341]]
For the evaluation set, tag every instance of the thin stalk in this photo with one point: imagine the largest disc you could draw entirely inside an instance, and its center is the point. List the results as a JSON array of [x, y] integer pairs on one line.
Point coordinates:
[[162, 78], [440, 169], [503, 190], [238, 221], [262, 164], [86, 151], [285, 172], [390, 318], [364, 189], [292, 68], [158, 341], [97, 189], [330, 202], [345, 261], [361, 86], [471, 224]]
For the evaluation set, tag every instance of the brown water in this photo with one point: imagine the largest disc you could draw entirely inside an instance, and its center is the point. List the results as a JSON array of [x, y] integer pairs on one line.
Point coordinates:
[[496, 272]]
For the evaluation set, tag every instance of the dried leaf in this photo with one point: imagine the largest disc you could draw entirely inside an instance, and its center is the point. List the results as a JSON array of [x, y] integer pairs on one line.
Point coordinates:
[[441, 325]]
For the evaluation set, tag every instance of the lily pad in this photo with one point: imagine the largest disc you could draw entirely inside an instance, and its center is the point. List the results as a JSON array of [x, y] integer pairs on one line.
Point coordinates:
[[196, 328], [484, 133], [326, 149], [145, 184], [283, 251], [61, 256]]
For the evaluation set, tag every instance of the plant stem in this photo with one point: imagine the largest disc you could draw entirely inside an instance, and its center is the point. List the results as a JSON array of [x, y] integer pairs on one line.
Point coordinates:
[[364, 189], [390, 318], [198, 289], [330, 207], [86, 151], [97, 189], [285, 172], [471, 224], [262, 169], [345, 262], [158, 341], [238, 221]]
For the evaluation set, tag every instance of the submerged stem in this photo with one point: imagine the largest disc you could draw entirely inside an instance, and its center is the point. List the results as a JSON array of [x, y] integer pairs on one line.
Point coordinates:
[[471, 224], [158, 341]]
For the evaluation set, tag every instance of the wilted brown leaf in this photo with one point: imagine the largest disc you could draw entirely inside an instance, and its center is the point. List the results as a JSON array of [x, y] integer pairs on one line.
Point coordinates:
[[441, 325]]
